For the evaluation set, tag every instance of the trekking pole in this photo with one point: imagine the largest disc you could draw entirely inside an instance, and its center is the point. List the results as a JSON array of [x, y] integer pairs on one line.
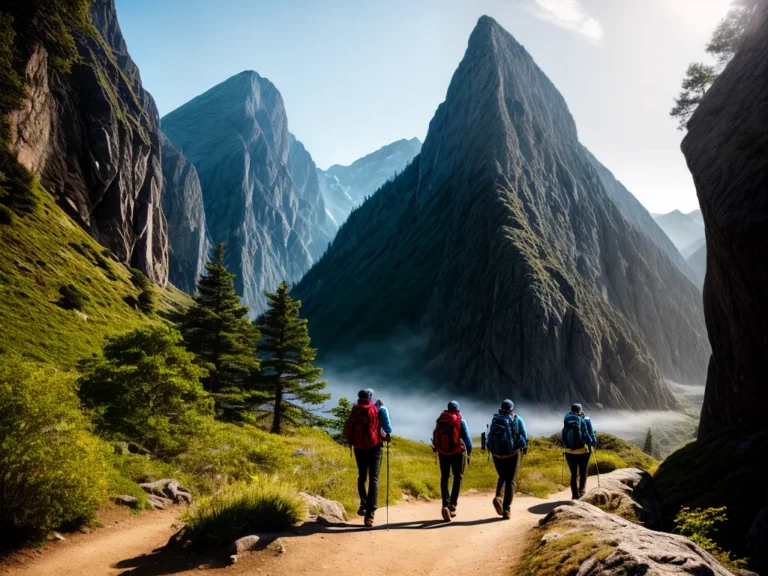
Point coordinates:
[[562, 469], [597, 468], [388, 442]]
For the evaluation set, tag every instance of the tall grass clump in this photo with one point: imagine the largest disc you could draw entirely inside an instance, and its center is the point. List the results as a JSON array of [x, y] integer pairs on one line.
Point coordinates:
[[243, 509]]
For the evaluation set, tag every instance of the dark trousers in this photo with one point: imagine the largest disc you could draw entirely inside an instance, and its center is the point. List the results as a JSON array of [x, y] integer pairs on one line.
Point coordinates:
[[578, 463], [506, 468], [368, 467], [451, 463]]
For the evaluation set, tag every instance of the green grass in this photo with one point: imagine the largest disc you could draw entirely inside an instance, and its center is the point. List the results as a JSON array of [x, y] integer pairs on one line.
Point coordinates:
[[43, 251], [560, 556]]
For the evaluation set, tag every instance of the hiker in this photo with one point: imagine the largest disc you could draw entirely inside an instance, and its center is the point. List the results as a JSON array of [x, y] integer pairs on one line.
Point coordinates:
[[507, 441], [578, 440], [451, 441], [366, 430]]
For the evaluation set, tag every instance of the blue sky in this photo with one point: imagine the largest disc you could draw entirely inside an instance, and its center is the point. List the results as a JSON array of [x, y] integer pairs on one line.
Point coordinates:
[[356, 75]]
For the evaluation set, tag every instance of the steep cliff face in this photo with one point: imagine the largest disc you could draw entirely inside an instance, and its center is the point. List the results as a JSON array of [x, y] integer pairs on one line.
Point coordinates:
[[236, 136], [345, 187], [501, 248], [727, 152], [92, 137], [184, 210]]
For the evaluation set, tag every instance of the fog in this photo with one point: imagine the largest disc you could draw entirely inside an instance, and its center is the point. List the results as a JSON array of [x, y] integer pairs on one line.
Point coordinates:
[[414, 408]]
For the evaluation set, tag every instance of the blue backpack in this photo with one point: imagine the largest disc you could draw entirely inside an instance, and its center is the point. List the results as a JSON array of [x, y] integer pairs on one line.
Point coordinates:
[[574, 434], [504, 435]]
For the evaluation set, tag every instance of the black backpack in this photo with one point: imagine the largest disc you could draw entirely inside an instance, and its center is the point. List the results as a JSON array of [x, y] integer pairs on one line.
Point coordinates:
[[503, 435], [573, 432]]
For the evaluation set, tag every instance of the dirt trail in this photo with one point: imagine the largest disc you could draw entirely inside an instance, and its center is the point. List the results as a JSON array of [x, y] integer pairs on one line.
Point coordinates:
[[418, 542]]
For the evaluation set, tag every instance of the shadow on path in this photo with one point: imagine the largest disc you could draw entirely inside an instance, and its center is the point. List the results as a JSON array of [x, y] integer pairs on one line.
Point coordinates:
[[547, 507]]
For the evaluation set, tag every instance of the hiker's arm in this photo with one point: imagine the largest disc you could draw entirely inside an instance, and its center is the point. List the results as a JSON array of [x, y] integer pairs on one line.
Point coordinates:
[[523, 431], [386, 425], [590, 432], [466, 437]]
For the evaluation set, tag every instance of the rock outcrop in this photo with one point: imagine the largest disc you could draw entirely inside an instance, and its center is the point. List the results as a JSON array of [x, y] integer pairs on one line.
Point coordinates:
[[500, 249], [727, 152], [92, 137], [184, 210], [324, 511], [236, 136], [628, 493], [346, 187]]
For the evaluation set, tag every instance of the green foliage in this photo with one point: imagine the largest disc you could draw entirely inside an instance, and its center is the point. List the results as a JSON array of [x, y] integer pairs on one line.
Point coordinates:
[[72, 298], [146, 301], [560, 556], [699, 525], [146, 389], [52, 470], [698, 78], [288, 374], [649, 446], [240, 510], [340, 414], [217, 330], [140, 280]]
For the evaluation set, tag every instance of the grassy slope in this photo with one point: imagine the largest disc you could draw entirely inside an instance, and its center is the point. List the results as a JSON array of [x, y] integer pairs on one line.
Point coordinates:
[[42, 251]]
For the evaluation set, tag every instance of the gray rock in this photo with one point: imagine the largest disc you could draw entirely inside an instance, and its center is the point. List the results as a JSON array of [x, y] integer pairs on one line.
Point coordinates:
[[499, 251], [727, 153], [244, 544], [619, 547], [189, 245], [92, 137], [233, 559], [131, 501], [236, 136], [629, 493], [277, 546], [159, 502], [324, 511], [168, 488]]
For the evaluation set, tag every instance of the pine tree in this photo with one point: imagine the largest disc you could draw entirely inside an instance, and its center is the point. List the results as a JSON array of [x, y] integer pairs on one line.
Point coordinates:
[[217, 330], [287, 371], [648, 446]]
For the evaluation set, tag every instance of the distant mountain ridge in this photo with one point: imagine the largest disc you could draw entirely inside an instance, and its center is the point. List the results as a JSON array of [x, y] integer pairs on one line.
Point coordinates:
[[683, 229], [499, 247]]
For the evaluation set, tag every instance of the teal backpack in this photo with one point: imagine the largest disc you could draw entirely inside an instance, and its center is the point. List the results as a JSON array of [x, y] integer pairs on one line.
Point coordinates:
[[504, 435]]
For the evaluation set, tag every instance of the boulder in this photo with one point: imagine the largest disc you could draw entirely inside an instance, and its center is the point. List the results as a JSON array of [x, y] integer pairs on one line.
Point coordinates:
[[593, 542], [324, 511], [244, 544], [277, 546], [630, 493], [168, 488], [158, 502], [131, 501]]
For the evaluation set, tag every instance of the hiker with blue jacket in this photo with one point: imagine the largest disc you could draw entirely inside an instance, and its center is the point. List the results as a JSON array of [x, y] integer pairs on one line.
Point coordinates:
[[507, 441], [451, 441], [366, 430], [578, 441]]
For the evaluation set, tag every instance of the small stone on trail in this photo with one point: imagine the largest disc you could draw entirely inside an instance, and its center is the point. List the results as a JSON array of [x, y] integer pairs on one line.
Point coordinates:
[[130, 501], [278, 546], [58, 537], [233, 559], [244, 544]]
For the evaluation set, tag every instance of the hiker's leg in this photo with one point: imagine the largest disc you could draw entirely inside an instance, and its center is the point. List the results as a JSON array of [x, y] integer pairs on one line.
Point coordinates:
[[573, 461], [361, 457], [514, 464], [457, 466], [373, 484], [445, 471], [583, 464], [498, 463]]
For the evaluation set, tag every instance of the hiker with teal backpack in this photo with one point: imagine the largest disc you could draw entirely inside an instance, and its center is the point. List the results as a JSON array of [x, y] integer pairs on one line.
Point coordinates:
[[507, 441], [452, 442], [578, 441]]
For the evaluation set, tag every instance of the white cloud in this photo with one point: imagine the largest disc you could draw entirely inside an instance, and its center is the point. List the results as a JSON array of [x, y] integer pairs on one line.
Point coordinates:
[[567, 14]]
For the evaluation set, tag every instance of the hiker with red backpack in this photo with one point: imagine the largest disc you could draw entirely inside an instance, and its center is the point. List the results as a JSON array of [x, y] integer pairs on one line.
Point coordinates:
[[507, 441], [578, 441], [451, 441], [366, 430]]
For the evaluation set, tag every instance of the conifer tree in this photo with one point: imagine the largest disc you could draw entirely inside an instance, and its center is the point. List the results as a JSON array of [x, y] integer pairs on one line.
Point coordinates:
[[648, 446], [217, 330], [287, 371]]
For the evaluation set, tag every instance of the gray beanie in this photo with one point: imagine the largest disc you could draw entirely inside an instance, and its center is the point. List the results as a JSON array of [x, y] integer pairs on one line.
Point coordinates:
[[453, 406], [575, 407], [508, 405], [366, 394]]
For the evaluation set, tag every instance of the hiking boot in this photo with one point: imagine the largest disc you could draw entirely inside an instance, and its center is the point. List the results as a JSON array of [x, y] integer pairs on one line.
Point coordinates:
[[369, 520], [447, 514], [507, 515], [453, 511], [497, 506], [361, 510]]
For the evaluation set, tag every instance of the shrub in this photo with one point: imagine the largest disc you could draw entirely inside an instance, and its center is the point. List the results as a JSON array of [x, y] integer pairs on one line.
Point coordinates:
[[6, 215], [72, 298], [240, 510], [140, 280], [53, 470], [146, 301], [146, 389], [340, 415], [699, 525]]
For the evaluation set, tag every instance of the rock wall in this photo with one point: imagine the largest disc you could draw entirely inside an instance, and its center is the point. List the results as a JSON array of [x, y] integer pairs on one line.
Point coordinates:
[[92, 137], [727, 153]]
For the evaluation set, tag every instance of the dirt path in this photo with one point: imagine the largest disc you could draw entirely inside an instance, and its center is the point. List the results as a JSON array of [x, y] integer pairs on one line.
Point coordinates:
[[418, 542]]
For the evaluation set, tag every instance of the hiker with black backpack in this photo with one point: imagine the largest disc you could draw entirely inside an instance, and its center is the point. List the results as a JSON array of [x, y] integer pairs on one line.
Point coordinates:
[[578, 441], [366, 430], [452, 442], [507, 441]]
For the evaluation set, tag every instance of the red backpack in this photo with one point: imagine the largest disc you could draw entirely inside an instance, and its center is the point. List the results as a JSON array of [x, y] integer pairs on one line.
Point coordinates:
[[362, 429], [447, 435]]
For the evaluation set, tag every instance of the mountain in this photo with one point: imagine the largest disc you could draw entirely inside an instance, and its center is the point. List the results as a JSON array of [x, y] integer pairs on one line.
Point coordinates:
[[727, 152], [236, 136], [693, 247], [189, 245], [345, 187], [698, 262], [498, 262], [92, 138], [636, 214], [682, 229]]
